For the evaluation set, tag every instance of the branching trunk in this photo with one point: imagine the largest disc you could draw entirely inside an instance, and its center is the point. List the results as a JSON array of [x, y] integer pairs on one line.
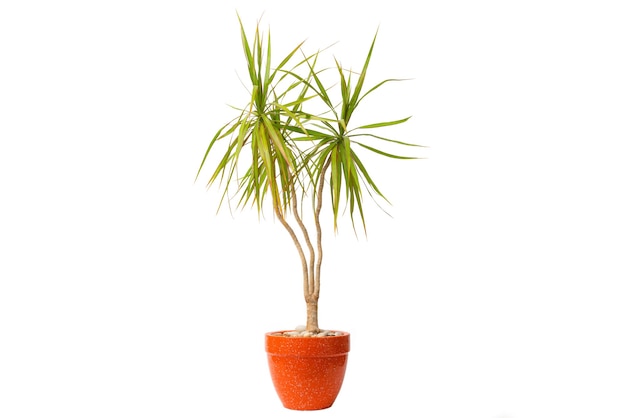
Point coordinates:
[[309, 279], [313, 296], [310, 268]]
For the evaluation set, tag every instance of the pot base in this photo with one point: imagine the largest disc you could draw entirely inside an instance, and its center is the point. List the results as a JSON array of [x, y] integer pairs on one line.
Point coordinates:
[[307, 372]]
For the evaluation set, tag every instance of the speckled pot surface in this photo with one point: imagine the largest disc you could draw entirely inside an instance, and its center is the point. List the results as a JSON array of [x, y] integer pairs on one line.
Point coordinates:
[[307, 371]]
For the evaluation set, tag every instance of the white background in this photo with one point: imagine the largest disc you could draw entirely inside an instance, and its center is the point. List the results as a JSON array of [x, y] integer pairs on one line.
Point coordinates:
[[496, 290]]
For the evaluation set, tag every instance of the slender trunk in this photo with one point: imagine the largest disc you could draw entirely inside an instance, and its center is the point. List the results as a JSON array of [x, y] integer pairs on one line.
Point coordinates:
[[318, 227], [309, 279], [312, 297], [296, 242], [311, 317], [310, 273], [311, 290]]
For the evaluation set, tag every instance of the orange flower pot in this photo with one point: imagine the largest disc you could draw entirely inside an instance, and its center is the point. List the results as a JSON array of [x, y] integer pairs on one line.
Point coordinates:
[[307, 371]]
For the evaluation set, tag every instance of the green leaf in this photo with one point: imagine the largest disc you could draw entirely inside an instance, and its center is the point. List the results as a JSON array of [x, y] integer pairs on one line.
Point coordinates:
[[377, 151], [383, 124]]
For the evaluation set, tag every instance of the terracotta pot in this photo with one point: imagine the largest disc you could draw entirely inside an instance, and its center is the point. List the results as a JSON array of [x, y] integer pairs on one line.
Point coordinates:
[[307, 371]]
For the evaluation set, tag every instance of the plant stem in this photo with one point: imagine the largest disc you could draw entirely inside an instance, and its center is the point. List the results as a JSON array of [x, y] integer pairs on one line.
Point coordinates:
[[311, 317], [318, 226], [292, 234], [309, 286], [311, 280], [311, 293]]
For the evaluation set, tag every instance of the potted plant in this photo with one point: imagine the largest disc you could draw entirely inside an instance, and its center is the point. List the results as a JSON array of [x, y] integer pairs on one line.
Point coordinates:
[[292, 148]]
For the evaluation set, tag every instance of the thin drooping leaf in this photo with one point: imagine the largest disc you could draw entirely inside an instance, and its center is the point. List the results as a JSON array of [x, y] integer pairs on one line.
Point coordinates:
[[386, 154], [377, 86], [384, 124], [393, 141]]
